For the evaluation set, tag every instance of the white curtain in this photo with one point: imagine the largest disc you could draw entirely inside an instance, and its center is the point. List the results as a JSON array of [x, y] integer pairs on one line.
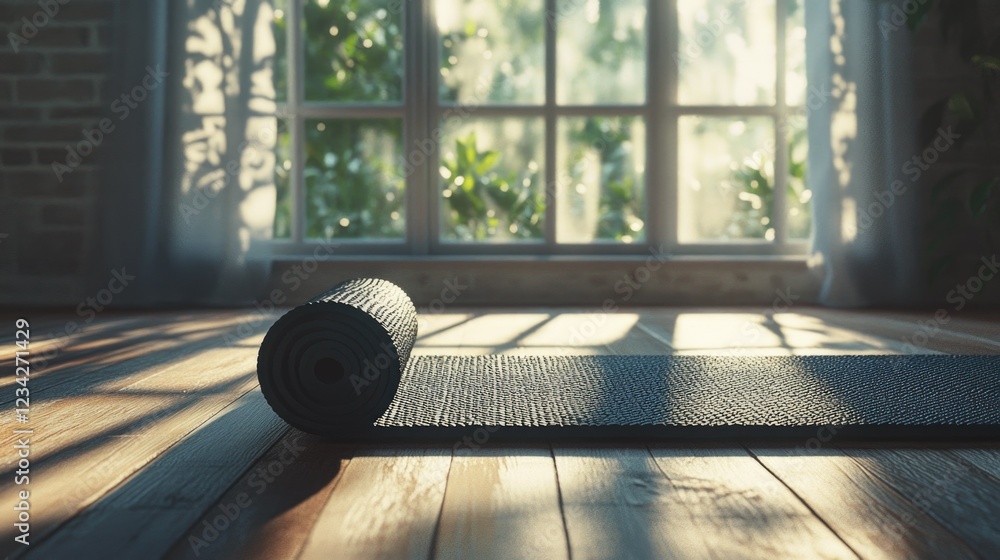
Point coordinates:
[[861, 132], [220, 151], [189, 200]]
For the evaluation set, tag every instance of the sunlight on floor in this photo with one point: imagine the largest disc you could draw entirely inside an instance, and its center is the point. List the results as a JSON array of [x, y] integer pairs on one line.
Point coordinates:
[[543, 333]]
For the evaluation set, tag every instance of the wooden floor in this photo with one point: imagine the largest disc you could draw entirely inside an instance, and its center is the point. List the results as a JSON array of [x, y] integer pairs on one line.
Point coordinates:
[[151, 439]]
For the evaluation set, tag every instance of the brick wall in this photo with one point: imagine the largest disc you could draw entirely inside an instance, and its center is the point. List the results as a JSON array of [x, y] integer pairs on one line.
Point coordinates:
[[53, 76]]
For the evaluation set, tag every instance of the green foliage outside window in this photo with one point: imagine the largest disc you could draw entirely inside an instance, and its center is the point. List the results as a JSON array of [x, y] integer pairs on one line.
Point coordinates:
[[354, 168]]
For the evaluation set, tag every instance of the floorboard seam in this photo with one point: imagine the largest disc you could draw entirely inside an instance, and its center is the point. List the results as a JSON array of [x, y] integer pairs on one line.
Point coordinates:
[[97, 500], [444, 499], [336, 483], [886, 484], [562, 505], [802, 501], [971, 466], [236, 481]]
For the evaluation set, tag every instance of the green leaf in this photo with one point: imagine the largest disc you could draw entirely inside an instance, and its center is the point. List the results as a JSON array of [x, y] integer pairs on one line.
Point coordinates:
[[981, 196], [965, 109], [487, 162], [919, 16], [461, 157], [944, 182], [468, 183], [986, 62], [470, 151], [963, 106]]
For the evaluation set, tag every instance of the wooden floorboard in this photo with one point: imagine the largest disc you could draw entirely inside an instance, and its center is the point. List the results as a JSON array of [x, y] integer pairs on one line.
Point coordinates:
[[958, 496], [270, 511], [987, 460], [868, 515], [738, 509], [86, 363], [386, 505], [150, 510], [91, 437], [612, 504], [501, 503], [690, 503], [922, 333], [150, 426], [749, 332]]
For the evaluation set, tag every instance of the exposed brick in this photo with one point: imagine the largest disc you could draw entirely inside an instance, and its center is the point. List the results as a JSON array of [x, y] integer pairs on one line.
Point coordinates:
[[9, 114], [105, 37], [69, 10], [47, 91], [101, 36], [63, 215], [89, 113], [68, 36], [13, 12], [15, 156], [67, 63], [45, 156], [76, 10], [59, 133], [23, 64], [43, 183], [50, 252]]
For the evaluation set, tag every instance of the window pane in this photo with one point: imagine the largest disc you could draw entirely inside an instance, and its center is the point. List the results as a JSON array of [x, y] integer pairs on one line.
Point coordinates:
[[600, 186], [282, 181], [354, 178], [602, 52], [353, 50], [280, 51], [726, 52], [492, 51], [795, 49], [492, 180], [799, 197], [725, 179]]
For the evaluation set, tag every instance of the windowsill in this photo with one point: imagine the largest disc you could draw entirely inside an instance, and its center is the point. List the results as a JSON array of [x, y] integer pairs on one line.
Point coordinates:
[[588, 280], [576, 259]]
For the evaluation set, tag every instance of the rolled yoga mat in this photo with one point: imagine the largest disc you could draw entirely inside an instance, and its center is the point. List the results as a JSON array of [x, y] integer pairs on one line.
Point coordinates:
[[340, 365], [333, 365]]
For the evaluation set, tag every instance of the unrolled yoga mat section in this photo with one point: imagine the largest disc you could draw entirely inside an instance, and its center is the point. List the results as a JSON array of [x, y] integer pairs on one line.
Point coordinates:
[[340, 365], [926, 396]]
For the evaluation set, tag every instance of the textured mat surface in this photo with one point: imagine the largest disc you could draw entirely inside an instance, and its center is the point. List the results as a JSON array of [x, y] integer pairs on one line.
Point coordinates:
[[698, 396], [340, 365]]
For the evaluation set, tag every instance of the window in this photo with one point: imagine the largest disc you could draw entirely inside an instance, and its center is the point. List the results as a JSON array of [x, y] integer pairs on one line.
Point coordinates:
[[542, 126]]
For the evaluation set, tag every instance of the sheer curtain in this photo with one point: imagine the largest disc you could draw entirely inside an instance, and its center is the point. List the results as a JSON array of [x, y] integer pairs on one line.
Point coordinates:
[[861, 133], [190, 207]]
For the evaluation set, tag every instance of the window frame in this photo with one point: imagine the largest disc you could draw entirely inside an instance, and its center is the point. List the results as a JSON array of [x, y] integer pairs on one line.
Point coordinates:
[[421, 112]]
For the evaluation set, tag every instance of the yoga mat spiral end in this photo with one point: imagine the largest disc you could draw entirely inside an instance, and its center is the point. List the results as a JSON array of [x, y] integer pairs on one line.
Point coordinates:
[[332, 366]]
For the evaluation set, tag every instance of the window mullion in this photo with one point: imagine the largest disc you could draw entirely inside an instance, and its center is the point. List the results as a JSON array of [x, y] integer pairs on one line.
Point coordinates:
[[296, 127], [432, 57], [661, 128], [551, 124], [780, 209], [416, 126]]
